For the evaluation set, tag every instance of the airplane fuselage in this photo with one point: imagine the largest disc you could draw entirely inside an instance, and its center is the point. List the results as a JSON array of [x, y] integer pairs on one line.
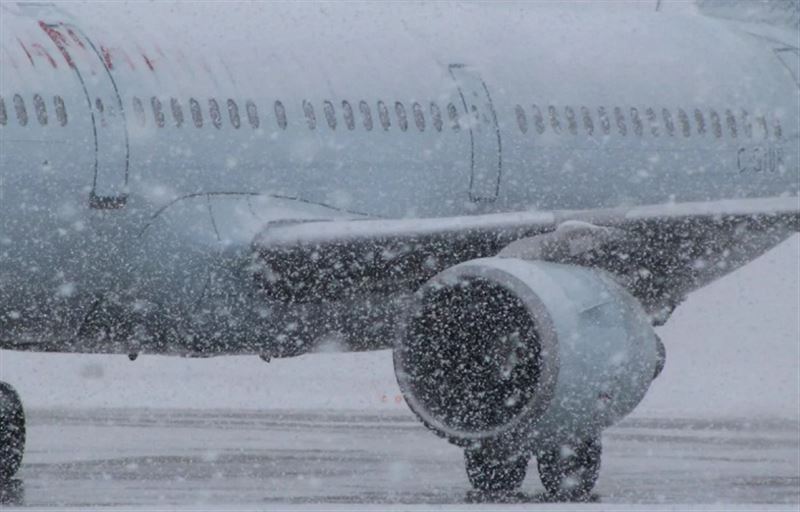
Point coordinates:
[[140, 156]]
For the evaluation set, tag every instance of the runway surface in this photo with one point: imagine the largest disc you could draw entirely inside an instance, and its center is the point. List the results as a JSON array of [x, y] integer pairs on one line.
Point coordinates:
[[218, 459]]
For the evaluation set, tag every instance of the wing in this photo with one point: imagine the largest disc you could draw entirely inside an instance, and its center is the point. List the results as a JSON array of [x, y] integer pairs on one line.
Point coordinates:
[[660, 252]]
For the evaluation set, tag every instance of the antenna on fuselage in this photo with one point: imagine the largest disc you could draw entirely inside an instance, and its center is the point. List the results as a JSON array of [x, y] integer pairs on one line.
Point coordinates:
[[658, 5]]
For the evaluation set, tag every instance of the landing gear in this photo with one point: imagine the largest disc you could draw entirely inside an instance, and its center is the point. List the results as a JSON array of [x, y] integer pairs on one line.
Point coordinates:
[[569, 473], [12, 432], [493, 470]]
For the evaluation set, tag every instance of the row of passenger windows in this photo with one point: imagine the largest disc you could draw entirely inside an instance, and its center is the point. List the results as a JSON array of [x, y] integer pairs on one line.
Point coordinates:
[[652, 121], [39, 109], [558, 121], [352, 114]]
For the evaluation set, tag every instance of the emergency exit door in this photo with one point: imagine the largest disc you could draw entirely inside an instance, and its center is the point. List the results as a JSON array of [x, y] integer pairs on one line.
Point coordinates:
[[109, 130], [479, 119]]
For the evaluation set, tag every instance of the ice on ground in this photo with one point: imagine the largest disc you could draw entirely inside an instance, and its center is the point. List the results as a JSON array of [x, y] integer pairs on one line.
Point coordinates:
[[733, 350]]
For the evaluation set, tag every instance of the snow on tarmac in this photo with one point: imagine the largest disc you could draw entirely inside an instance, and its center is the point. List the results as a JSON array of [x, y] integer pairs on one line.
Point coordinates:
[[733, 350]]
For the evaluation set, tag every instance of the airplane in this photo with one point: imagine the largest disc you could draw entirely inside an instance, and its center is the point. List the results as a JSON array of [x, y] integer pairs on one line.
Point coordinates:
[[509, 197]]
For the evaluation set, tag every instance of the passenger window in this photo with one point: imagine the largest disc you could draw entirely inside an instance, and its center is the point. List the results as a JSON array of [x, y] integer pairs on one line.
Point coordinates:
[[700, 121], [716, 125], [349, 118], [538, 119], [100, 108], [638, 128], [730, 120], [777, 130], [605, 123], [572, 123], [330, 114], [39, 107], [3, 113], [452, 113], [177, 112], [280, 115], [436, 114], [619, 116], [138, 111], [653, 120], [383, 115], [668, 123], [762, 123], [158, 113], [402, 120], [366, 115], [555, 122], [588, 123], [683, 119], [197, 113], [522, 119], [746, 125], [214, 113], [233, 114], [311, 118], [252, 114], [419, 116], [19, 108]]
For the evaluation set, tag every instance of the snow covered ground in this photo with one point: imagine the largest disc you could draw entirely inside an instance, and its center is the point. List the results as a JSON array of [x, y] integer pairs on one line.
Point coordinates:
[[733, 350]]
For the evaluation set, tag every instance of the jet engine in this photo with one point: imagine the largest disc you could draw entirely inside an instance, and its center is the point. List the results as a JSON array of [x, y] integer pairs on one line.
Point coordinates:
[[524, 354]]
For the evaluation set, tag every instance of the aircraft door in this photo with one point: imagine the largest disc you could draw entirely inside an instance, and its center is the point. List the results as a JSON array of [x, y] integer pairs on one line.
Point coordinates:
[[480, 120], [109, 129]]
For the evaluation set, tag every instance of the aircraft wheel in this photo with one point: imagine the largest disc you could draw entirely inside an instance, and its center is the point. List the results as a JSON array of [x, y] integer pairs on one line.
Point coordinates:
[[490, 469], [12, 432], [569, 473]]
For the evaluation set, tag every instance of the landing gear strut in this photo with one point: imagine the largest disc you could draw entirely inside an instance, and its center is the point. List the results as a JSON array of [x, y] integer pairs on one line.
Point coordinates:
[[12, 432], [492, 469], [569, 472]]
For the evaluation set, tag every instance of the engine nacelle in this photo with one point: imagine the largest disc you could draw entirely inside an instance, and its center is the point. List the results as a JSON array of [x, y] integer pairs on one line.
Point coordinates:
[[526, 351]]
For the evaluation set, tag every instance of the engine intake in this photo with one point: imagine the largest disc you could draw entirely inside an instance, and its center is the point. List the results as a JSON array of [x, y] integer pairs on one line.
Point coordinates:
[[527, 350]]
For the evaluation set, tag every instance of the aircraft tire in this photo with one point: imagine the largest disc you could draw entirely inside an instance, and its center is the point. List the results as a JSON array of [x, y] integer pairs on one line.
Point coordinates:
[[569, 473], [492, 470], [12, 432]]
